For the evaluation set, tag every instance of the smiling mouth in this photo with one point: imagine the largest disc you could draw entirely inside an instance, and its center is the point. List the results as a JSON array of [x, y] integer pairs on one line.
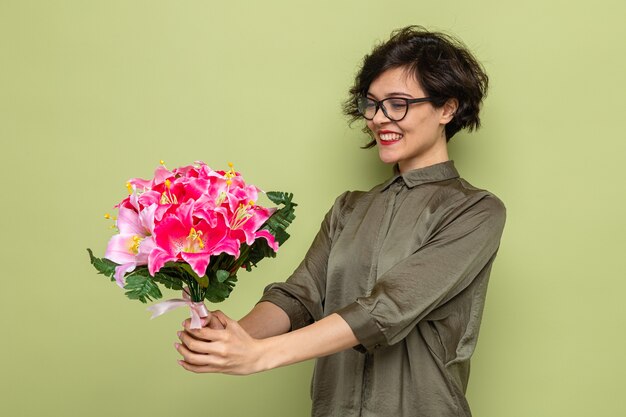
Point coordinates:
[[390, 137]]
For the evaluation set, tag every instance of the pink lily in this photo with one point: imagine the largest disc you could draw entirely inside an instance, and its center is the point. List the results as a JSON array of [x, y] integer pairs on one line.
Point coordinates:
[[179, 237], [245, 222], [132, 246]]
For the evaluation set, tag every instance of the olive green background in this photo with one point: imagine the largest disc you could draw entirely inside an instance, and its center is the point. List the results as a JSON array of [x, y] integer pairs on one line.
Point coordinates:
[[93, 93]]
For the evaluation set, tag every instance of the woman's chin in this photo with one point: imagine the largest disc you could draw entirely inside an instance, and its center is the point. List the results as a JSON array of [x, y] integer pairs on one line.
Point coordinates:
[[387, 157]]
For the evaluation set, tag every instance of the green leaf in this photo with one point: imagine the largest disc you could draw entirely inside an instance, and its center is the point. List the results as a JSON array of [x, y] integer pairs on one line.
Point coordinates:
[[103, 266], [171, 282], [222, 275], [260, 249], [276, 225], [141, 287], [219, 291], [283, 217], [203, 280], [279, 197]]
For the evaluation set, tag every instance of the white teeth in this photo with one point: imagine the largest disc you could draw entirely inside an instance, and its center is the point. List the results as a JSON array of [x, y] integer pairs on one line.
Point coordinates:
[[390, 136]]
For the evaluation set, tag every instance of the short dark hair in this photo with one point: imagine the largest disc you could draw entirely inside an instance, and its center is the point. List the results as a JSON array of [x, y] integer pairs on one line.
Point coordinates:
[[442, 65]]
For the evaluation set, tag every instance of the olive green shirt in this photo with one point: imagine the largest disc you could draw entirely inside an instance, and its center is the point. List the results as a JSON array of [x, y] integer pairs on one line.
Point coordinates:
[[406, 265]]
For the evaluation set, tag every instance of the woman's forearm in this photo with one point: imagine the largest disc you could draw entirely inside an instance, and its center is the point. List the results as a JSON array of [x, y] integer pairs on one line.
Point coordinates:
[[236, 350], [265, 320], [324, 337]]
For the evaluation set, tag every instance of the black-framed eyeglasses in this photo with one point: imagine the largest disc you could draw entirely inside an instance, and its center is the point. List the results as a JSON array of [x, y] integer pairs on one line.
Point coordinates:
[[395, 108]]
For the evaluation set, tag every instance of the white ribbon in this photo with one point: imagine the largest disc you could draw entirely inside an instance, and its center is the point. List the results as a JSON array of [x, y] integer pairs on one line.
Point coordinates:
[[198, 310]]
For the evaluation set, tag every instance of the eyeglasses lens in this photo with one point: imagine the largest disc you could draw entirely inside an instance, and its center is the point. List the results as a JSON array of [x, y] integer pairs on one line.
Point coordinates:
[[394, 108]]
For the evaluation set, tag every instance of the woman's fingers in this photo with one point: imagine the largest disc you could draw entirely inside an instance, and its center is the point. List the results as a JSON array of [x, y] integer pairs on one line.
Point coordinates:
[[223, 318], [192, 357], [211, 321], [215, 324], [230, 350], [193, 344], [206, 333], [197, 369], [232, 326]]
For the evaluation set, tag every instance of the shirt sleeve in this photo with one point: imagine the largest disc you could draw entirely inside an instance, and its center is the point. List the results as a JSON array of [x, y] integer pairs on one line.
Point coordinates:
[[464, 245], [302, 295]]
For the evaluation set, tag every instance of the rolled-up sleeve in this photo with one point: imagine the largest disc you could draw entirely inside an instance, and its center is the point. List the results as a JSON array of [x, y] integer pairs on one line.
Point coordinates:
[[463, 247], [302, 295]]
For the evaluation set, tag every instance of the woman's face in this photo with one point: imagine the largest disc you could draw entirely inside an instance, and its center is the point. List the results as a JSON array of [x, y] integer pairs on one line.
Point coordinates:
[[416, 141]]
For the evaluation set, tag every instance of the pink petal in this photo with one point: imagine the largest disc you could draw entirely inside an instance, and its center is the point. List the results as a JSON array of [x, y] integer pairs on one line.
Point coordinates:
[[212, 234], [271, 240], [195, 188], [146, 247], [186, 171], [170, 227], [118, 249], [157, 258], [128, 222], [197, 261], [229, 246], [149, 197], [259, 216], [185, 213], [209, 215], [146, 219], [140, 182], [121, 270], [160, 175]]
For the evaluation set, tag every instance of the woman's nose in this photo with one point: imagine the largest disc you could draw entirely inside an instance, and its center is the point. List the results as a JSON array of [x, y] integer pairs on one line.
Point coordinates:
[[380, 117]]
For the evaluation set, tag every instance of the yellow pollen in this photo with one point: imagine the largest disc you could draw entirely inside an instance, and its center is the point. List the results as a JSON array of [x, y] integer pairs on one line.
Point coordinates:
[[168, 183], [129, 187], [220, 199], [135, 246], [196, 236], [107, 216], [228, 182], [162, 162], [251, 202], [230, 164]]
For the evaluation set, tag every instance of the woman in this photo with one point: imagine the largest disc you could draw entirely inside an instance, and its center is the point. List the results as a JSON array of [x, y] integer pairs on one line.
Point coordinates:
[[389, 297]]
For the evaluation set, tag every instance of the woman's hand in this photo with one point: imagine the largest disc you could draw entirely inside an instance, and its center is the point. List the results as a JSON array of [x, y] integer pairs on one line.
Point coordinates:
[[229, 350], [212, 322], [233, 351]]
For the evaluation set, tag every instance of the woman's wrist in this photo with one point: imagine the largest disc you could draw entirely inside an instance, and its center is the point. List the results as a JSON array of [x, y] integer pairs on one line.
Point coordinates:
[[269, 355]]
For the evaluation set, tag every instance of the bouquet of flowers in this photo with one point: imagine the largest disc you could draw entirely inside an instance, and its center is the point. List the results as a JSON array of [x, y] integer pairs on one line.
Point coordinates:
[[191, 229]]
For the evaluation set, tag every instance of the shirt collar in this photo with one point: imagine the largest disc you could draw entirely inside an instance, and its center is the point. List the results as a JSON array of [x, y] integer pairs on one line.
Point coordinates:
[[432, 173]]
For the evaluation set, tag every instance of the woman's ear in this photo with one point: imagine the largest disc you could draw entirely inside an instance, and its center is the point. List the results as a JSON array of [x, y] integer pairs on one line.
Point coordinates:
[[449, 110]]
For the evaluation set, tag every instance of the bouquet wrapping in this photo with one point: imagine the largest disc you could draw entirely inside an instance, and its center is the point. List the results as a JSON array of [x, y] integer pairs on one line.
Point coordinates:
[[191, 229]]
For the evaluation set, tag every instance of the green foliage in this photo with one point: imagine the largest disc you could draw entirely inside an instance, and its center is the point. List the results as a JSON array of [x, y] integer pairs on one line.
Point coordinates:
[[283, 217], [276, 225], [222, 275], [141, 286], [219, 291], [202, 280], [260, 249], [103, 266], [168, 281]]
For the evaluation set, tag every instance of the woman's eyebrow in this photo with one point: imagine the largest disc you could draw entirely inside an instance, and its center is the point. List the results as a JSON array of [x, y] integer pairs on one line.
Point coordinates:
[[393, 94], [398, 93]]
